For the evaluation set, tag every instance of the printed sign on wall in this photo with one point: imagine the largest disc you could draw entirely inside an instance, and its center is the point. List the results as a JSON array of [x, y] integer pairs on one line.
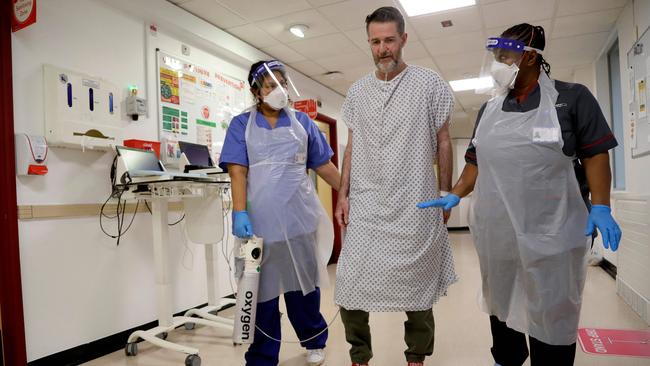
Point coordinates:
[[24, 14]]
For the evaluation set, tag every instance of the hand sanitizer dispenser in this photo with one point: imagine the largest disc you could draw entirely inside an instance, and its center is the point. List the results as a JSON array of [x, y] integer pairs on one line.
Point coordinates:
[[31, 152]]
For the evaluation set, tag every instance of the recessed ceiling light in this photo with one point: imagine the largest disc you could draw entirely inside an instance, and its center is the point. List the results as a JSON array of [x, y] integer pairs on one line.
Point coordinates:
[[419, 7], [298, 30], [470, 84]]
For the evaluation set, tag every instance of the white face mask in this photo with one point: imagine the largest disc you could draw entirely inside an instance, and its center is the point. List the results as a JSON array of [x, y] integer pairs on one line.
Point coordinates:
[[504, 76], [277, 99]]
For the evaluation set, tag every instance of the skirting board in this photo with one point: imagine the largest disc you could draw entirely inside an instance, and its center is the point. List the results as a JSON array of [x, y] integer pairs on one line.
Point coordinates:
[[639, 304], [101, 347]]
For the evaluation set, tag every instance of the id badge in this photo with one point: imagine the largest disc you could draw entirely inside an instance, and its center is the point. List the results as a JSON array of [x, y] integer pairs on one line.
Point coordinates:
[[301, 158], [546, 135]]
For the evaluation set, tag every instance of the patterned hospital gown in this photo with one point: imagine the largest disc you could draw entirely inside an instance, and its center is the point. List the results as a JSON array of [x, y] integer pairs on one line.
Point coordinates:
[[396, 257]]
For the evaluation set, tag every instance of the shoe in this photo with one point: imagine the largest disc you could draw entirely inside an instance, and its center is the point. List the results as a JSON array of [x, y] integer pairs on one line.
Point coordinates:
[[315, 357], [415, 364]]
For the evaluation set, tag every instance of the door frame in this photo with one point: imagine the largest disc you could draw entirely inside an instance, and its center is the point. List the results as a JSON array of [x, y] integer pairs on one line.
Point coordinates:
[[11, 302], [334, 144]]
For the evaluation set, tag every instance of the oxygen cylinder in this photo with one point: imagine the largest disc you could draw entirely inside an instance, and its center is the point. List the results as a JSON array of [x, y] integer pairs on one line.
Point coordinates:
[[250, 252]]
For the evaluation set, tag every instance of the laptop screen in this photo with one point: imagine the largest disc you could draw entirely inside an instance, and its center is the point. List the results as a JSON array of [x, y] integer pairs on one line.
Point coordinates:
[[136, 159], [196, 154]]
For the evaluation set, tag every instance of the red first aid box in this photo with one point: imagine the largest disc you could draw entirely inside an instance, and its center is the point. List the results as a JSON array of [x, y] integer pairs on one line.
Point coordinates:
[[144, 145]]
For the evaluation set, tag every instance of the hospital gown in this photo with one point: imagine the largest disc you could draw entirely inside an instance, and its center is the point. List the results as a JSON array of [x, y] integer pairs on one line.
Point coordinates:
[[396, 257]]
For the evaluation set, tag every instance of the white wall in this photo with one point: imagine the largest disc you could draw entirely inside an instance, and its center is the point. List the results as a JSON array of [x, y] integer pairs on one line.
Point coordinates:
[[632, 269], [585, 75], [635, 17], [633, 21], [77, 285], [462, 124]]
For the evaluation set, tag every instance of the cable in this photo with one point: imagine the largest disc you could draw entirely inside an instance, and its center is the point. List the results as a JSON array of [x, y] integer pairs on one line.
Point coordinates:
[[226, 240], [120, 212], [232, 287], [303, 340], [179, 220], [120, 208]]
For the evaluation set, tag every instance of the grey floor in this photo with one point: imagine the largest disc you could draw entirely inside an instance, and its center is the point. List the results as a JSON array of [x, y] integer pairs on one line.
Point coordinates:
[[462, 330]]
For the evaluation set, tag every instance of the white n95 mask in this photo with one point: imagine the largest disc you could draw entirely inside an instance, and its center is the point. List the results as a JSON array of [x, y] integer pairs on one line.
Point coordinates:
[[277, 99], [504, 76]]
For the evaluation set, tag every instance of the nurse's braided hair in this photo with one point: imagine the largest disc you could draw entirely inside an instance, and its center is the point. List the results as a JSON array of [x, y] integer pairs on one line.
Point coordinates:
[[251, 79], [532, 36]]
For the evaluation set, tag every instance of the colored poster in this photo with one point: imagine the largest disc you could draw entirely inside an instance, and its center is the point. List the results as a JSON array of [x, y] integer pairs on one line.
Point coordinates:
[[24, 14], [169, 86], [641, 98], [188, 89], [174, 121], [308, 106], [632, 131], [204, 136]]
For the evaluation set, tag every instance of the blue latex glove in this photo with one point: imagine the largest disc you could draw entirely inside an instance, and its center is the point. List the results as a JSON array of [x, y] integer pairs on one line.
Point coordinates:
[[446, 203], [241, 225], [601, 217]]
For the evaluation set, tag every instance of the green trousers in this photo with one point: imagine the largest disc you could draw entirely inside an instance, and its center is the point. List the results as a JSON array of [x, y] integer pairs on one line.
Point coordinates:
[[418, 333]]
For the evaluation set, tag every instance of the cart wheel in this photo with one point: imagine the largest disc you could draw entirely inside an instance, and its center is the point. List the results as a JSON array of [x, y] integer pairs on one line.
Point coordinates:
[[193, 360], [162, 335], [131, 349], [190, 326]]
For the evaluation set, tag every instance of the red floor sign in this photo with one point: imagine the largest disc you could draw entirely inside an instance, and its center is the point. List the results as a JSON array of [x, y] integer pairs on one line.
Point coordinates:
[[615, 342]]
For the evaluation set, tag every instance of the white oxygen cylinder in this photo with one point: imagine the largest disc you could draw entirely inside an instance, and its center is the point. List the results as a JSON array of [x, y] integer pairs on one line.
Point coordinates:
[[247, 290]]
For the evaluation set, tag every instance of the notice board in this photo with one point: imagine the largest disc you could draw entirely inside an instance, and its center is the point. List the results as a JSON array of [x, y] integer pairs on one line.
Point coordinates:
[[195, 104], [638, 60]]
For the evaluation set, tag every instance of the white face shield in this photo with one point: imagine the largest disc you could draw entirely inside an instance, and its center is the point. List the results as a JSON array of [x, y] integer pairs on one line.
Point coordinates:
[[501, 65], [276, 87]]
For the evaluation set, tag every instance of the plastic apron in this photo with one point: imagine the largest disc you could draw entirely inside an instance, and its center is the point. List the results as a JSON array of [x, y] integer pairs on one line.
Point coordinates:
[[528, 219], [285, 210]]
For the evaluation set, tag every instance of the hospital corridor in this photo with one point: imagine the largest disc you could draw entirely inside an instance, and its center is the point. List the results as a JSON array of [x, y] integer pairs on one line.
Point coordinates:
[[462, 333], [325, 182]]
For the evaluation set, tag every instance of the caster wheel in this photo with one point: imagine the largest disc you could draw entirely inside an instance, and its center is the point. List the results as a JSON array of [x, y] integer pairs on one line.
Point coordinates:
[[131, 349], [190, 326], [162, 335], [193, 360]]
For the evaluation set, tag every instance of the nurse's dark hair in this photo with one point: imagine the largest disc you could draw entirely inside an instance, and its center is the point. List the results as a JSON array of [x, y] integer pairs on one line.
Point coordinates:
[[386, 14], [533, 36], [251, 80]]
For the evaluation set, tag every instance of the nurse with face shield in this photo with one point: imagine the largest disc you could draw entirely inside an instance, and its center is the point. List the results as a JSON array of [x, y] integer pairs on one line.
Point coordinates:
[[267, 152], [538, 165]]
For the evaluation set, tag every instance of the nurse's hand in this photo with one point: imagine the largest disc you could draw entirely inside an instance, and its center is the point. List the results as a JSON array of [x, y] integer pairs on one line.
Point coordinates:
[[446, 203], [342, 212], [601, 217], [445, 216], [241, 225]]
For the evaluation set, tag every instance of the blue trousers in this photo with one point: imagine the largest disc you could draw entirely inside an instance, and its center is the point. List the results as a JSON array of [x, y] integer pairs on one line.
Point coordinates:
[[305, 317]]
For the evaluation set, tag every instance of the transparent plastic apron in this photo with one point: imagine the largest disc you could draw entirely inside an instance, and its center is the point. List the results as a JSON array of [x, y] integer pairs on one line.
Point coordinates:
[[285, 210], [528, 219]]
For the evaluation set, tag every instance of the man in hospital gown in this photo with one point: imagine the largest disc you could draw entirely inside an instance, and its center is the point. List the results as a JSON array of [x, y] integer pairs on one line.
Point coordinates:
[[395, 256]]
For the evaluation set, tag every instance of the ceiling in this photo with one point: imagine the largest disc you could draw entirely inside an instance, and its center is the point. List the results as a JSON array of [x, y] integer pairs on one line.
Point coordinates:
[[576, 31]]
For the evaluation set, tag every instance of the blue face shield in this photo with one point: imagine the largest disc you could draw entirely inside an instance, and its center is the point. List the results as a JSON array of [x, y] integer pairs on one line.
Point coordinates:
[[501, 64]]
